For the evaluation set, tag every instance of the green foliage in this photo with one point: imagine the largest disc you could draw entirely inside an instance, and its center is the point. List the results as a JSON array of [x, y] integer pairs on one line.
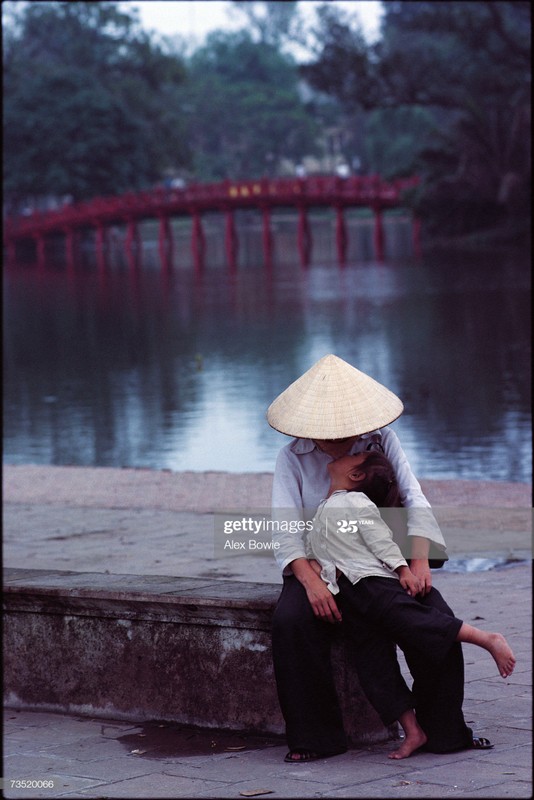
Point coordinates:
[[88, 102], [393, 139], [272, 23], [345, 67], [467, 64], [243, 109]]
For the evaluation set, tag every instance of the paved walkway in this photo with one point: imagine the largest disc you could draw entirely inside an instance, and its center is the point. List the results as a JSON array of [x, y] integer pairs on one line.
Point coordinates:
[[149, 522], [129, 521]]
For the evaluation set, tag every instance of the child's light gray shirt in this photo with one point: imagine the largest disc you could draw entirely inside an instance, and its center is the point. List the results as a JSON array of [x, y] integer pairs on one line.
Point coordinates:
[[350, 535]]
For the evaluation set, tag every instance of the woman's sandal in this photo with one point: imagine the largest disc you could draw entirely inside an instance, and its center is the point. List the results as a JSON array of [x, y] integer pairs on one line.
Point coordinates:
[[302, 756], [481, 743]]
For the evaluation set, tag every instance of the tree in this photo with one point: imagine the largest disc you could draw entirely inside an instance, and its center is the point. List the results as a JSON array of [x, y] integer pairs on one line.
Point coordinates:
[[243, 108], [271, 23], [467, 65], [89, 102], [393, 138]]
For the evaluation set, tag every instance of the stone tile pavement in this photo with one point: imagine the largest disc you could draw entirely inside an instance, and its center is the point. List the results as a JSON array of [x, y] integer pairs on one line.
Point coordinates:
[[96, 758], [72, 520]]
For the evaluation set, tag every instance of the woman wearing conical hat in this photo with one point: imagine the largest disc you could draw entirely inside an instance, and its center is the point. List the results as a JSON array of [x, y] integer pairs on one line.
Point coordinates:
[[331, 411]]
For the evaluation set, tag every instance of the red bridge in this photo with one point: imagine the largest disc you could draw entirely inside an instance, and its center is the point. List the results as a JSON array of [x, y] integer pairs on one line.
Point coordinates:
[[226, 197]]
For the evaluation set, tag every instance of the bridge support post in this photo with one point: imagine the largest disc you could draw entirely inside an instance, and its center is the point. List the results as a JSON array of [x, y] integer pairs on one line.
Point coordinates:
[[267, 238], [40, 243], [71, 249], [11, 253], [379, 235], [198, 242], [416, 237], [102, 246], [231, 241], [101, 238], [165, 242], [132, 235], [132, 244], [304, 237], [341, 236]]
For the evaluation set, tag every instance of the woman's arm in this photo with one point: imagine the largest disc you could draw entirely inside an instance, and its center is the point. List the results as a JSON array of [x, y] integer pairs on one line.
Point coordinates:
[[287, 510], [422, 525], [292, 554]]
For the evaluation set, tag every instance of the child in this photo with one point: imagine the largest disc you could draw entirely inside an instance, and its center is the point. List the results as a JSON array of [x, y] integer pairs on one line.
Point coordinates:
[[351, 541]]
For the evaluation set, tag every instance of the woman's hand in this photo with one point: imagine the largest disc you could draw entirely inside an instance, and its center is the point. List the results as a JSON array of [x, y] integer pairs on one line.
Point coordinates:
[[322, 601], [419, 562], [319, 595], [421, 569], [409, 582]]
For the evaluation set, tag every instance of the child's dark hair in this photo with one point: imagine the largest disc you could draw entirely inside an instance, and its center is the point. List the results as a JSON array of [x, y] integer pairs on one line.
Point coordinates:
[[380, 483]]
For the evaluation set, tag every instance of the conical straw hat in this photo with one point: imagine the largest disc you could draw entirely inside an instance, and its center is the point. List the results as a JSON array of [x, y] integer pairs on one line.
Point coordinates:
[[333, 400]]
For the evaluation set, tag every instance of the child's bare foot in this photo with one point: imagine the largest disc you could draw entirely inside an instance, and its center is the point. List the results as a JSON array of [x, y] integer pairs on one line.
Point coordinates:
[[413, 741], [502, 653]]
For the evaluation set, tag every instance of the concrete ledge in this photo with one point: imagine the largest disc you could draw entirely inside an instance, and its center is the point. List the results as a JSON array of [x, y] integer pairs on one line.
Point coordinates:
[[136, 647]]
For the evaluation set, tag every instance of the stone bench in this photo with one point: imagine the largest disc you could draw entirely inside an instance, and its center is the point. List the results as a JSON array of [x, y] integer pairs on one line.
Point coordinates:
[[141, 647]]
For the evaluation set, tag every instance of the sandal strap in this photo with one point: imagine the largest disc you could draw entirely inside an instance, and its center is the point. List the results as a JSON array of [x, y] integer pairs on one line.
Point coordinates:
[[302, 756], [481, 743]]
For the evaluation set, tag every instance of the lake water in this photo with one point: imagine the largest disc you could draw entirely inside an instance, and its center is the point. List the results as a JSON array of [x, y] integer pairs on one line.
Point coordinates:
[[174, 369]]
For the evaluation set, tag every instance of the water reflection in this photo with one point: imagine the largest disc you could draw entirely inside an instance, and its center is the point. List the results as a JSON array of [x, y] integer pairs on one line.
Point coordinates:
[[122, 366]]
